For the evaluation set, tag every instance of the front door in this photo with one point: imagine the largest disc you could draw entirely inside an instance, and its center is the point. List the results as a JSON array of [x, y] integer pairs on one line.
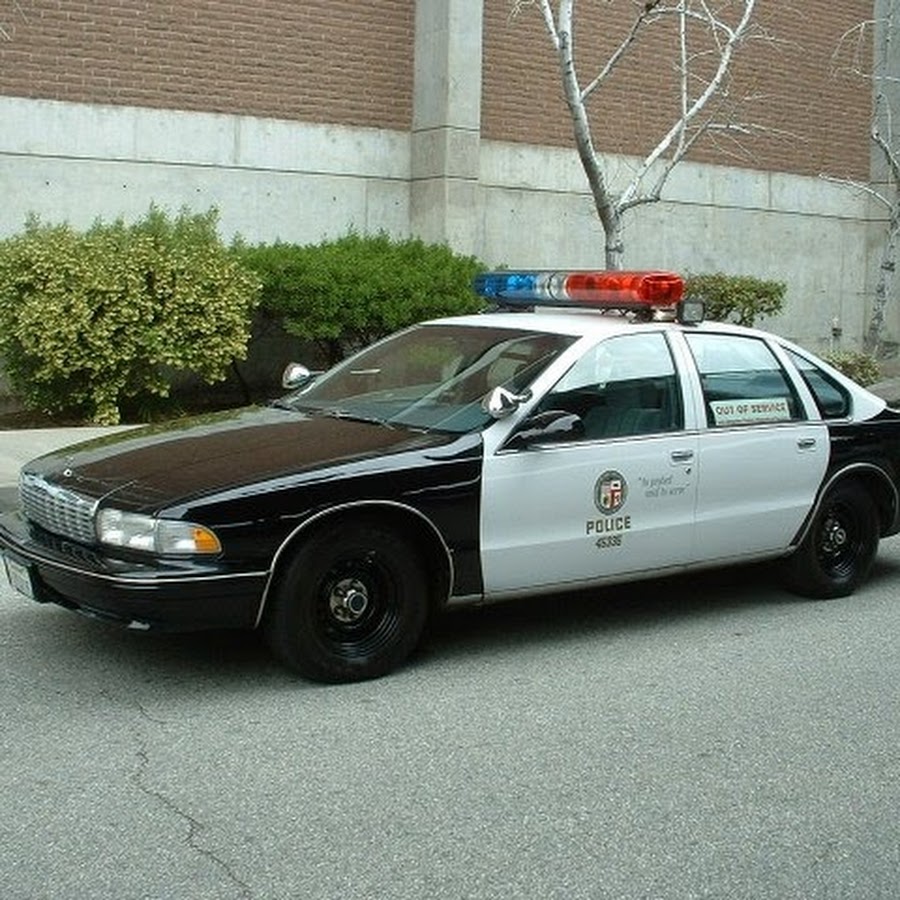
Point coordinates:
[[617, 499]]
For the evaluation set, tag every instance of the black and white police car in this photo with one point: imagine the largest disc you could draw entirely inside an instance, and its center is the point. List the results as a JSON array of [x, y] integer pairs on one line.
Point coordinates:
[[534, 448]]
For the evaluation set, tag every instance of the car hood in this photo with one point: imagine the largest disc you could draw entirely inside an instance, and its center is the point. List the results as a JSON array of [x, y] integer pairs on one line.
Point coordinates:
[[156, 466]]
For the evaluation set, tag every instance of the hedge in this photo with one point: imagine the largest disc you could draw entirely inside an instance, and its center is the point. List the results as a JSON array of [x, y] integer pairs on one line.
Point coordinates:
[[345, 293], [91, 320]]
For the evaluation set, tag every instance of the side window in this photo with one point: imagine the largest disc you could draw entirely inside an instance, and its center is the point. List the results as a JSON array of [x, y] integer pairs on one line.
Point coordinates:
[[623, 386], [743, 383], [832, 398]]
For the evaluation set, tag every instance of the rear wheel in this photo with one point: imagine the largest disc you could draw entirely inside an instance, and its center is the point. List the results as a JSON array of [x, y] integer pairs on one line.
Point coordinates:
[[351, 604], [838, 551]]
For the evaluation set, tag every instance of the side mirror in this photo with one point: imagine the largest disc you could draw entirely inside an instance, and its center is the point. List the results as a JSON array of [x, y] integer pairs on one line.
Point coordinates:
[[502, 402], [550, 427], [295, 376]]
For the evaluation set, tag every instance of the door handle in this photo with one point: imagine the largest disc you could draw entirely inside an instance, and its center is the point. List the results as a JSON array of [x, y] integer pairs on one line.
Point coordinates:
[[806, 443], [682, 456]]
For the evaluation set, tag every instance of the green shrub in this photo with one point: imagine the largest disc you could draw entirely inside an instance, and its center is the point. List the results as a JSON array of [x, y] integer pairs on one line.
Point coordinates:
[[859, 366], [737, 298], [91, 319], [343, 294]]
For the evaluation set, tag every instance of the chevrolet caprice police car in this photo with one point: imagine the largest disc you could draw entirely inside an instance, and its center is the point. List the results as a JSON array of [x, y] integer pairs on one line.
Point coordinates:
[[534, 448]]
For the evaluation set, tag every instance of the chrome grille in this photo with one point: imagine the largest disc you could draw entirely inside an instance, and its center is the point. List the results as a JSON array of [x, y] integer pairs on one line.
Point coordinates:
[[57, 509]]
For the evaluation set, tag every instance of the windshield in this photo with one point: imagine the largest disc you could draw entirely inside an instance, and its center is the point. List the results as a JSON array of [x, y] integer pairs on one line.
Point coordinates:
[[431, 376]]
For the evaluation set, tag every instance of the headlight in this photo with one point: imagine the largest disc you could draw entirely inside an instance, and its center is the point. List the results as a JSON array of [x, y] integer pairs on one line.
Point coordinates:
[[165, 537]]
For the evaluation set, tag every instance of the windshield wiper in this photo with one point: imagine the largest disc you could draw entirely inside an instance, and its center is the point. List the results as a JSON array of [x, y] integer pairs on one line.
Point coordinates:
[[336, 413], [281, 403], [331, 412]]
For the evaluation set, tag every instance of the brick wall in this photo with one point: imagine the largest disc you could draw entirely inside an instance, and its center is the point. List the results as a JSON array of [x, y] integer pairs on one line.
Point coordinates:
[[338, 61], [351, 63], [815, 121]]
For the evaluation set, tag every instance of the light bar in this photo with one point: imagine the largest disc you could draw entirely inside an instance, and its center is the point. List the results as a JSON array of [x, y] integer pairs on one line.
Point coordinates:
[[601, 290]]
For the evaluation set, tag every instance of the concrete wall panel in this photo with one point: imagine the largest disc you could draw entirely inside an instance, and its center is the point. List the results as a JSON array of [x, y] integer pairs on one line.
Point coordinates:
[[269, 179], [807, 232], [523, 205]]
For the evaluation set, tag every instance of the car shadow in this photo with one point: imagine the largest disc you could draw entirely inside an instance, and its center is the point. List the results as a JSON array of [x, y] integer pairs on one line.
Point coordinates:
[[58, 644], [84, 651], [628, 607]]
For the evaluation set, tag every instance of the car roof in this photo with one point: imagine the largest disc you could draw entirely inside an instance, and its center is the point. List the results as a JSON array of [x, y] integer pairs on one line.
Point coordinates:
[[582, 323], [597, 325]]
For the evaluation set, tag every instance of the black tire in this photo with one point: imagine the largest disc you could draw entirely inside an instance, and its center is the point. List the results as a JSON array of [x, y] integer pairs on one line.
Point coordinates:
[[351, 604], [838, 551]]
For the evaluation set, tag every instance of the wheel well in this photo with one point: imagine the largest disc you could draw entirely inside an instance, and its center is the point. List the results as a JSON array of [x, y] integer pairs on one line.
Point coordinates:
[[406, 522], [880, 488]]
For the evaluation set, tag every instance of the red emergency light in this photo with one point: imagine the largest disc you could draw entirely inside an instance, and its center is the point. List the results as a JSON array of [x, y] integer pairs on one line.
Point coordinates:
[[597, 290]]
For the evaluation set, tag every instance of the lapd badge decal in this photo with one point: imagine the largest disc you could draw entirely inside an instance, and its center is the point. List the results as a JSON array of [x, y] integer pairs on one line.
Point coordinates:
[[610, 492]]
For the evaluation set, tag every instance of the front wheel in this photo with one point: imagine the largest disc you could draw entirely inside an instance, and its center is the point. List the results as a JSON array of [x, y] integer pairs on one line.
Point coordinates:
[[351, 604], [838, 551]]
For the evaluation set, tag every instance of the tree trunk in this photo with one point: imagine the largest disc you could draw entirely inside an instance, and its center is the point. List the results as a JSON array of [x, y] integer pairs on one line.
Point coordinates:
[[873, 343], [604, 203], [614, 228]]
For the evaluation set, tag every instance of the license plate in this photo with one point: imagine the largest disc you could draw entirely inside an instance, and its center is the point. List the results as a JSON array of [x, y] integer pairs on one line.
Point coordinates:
[[19, 577]]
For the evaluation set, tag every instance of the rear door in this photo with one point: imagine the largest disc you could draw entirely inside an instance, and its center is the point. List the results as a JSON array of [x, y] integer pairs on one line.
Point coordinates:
[[762, 450]]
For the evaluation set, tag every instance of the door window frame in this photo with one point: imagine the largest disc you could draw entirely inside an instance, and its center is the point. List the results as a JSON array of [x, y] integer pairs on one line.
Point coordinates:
[[785, 405], [663, 411]]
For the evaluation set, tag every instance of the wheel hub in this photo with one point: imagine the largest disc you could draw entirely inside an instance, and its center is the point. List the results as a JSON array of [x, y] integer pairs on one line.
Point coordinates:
[[834, 536], [349, 600]]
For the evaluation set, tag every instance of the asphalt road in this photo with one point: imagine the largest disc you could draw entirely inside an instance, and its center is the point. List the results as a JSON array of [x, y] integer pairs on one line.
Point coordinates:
[[709, 737]]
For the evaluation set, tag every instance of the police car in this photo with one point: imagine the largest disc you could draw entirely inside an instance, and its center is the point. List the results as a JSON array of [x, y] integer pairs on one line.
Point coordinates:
[[589, 429]]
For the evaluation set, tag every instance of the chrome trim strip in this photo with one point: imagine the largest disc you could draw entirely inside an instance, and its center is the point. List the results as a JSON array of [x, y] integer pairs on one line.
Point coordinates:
[[635, 575], [38, 560], [464, 600]]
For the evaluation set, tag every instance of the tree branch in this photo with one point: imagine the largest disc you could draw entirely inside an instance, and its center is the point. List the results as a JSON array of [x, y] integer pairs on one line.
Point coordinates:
[[692, 120], [860, 187], [630, 196], [6, 35], [643, 16], [883, 143]]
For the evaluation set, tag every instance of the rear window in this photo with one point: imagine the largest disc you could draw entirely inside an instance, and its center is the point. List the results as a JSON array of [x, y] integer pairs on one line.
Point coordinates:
[[832, 398]]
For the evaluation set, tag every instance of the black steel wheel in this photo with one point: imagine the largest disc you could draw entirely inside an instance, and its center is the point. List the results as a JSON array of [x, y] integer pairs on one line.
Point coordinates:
[[839, 548], [351, 604]]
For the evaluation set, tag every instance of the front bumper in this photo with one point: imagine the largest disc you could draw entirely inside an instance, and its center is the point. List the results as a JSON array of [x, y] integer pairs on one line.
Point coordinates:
[[170, 595]]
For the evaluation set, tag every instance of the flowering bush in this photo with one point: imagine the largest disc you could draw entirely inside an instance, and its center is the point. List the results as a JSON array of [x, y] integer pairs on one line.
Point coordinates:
[[89, 319], [861, 367], [736, 298]]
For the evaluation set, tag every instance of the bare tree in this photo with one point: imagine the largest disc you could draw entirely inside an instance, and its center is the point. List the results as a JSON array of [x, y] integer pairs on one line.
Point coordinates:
[[5, 30], [708, 36], [868, 51]]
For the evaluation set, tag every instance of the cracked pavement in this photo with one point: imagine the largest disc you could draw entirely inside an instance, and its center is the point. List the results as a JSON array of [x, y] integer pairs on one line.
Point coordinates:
[[710, 737]]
